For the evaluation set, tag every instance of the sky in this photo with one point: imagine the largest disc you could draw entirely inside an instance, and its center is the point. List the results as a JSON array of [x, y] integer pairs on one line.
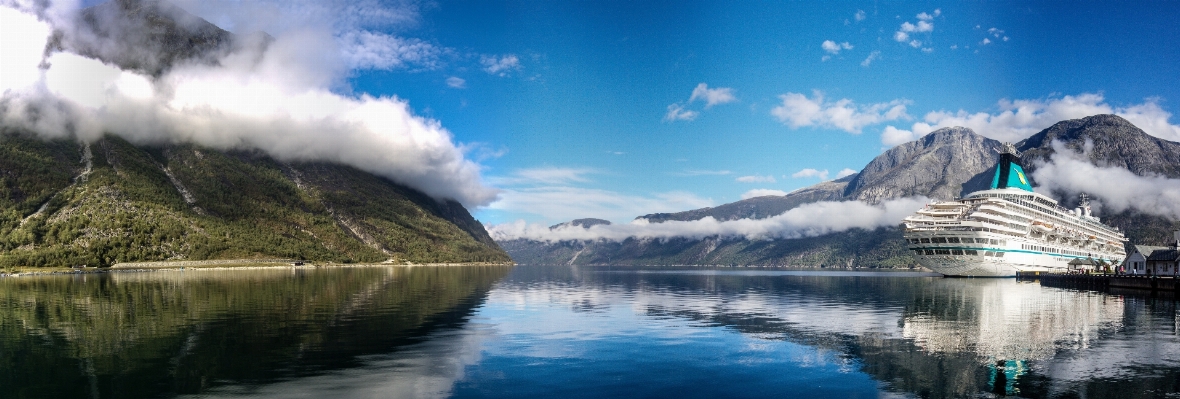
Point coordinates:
[[561, 110]]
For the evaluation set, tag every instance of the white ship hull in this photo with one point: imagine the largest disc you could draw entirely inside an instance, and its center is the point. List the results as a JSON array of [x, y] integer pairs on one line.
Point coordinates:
[[1007, 266]]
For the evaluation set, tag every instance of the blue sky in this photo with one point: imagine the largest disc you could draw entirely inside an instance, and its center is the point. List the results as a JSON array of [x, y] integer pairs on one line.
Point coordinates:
[[618, 109], [582, 112]]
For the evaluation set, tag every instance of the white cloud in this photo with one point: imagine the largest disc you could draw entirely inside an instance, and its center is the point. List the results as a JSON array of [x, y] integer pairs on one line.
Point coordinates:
[[277, 100], [374, 50], [804, 221], [1114, 189], [500, 66], [762, 192], [995, 32], [720, 95], [563, 203], [869, 60], [985, 42], [756, 179], [21, 54], [456, 82], [891, 136], [1019, 119], [929, 17], [358, 27], [924, 25], [860, 15], [676, 112], [834, 48], [845, 173], [798, 111], [811, 173], [679, 111]]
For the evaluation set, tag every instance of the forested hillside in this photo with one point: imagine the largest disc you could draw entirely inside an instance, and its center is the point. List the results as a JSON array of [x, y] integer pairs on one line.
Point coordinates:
[[64, 203]]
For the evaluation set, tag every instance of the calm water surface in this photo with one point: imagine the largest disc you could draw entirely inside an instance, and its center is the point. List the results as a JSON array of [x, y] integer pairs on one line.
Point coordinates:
[[558, 331]]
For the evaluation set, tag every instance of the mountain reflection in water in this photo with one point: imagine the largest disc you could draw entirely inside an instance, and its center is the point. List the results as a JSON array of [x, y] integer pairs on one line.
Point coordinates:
[[559, 331]]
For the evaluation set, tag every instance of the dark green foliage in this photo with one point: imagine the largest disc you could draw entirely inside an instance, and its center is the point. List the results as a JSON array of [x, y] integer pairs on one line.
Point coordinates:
[[239, 205]]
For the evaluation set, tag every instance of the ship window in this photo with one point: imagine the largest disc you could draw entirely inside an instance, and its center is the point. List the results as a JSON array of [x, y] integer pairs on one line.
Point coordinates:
[[929, 252], [953, 240], [956, 252], [989, 253], [939, 240], [942, 252], [981, 240], [971, 252], [1000, 254], [925, 240], [995, 242]]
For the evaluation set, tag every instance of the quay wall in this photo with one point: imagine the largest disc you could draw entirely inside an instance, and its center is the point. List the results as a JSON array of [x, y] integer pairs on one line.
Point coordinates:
[[1100, 281]]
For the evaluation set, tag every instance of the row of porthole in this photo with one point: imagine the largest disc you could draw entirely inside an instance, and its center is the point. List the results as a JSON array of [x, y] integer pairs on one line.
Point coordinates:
[[957, 240], [971, 252]]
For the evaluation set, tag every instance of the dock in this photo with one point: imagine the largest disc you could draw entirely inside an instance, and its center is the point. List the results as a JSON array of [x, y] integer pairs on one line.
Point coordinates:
[[1103, 281]]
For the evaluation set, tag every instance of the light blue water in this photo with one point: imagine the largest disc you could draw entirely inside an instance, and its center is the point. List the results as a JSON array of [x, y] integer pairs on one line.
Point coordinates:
[[577, 333]]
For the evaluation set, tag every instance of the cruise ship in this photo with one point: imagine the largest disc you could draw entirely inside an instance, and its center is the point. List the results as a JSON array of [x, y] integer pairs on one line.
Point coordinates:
[[1008, 229]]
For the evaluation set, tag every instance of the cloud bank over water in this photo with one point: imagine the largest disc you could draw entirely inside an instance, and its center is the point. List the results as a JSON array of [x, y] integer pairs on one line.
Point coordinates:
[[280, 98], [805, 221]]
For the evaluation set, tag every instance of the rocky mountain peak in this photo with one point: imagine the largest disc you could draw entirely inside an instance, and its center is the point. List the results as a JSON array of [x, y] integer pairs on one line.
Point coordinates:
[[1113, 142], [148, 36], [583, 223], [935, 166]]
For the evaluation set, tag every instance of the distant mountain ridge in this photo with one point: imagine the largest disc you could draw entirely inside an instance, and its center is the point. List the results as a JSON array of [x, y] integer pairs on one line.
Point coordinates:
[[944, 164]]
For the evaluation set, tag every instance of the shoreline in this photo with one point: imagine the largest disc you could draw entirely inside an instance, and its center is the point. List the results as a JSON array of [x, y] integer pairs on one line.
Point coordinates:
[[222, 264]]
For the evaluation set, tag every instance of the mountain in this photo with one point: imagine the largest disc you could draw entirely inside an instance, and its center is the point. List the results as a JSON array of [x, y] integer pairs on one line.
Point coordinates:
[[944, 164], [585, 223], [938, 165], [148, 36], [761, 207], [1112, 142], [65, 203]]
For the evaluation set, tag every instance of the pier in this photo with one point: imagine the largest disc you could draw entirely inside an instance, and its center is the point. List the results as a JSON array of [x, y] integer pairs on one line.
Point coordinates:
[[1103, 281]]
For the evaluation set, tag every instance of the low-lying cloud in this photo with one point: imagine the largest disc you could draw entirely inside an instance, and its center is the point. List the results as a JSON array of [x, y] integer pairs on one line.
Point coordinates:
[[1113, 189], [278, 98], [804, 221]]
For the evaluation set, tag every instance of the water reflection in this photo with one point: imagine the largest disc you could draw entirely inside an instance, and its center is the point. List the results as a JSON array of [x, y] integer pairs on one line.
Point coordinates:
[[577, 332], [921, 336], [172, 333]]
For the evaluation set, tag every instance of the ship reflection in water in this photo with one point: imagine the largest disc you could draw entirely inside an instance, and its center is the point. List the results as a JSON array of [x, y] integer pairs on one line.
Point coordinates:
[[558, 331]]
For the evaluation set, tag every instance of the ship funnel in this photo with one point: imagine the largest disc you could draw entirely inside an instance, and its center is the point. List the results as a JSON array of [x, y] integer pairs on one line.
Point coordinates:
[[1009, 173]]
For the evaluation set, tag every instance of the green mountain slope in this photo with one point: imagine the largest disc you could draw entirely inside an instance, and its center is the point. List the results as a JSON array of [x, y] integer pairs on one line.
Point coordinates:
[[64, 203]]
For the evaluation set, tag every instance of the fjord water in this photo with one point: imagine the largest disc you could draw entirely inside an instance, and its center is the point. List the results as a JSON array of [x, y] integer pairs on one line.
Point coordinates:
[[559, 331]]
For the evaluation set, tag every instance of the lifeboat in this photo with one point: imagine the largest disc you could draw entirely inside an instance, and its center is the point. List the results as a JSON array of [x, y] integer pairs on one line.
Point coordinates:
[[1042, 227]]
